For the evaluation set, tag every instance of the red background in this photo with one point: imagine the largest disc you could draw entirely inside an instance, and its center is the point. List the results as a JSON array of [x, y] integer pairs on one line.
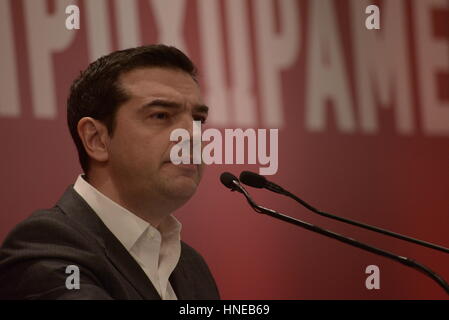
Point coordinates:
[[395, 181]]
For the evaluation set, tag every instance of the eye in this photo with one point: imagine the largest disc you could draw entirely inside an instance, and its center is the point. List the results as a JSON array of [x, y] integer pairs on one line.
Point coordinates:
[[160, 115]]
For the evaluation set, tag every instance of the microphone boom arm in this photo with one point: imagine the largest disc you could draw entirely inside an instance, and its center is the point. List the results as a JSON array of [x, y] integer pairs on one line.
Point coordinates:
[[255, 180], [401, 259]]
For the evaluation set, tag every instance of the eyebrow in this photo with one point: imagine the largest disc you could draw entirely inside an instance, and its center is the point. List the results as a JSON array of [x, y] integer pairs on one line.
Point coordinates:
[[173, 105]]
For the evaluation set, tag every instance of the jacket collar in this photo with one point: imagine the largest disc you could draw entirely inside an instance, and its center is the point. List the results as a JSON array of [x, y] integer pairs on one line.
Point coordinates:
[[81, 214]]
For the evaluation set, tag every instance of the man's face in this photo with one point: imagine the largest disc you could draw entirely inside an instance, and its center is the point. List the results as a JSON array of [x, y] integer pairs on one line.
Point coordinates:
[[161, 100]]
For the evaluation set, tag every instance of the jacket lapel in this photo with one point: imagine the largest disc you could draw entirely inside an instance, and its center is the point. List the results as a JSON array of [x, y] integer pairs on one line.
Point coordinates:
[[82, 214], [180, 281]]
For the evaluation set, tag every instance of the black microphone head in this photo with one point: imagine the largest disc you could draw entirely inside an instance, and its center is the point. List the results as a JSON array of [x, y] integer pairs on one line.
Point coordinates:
[[227, 179], [253, 179]]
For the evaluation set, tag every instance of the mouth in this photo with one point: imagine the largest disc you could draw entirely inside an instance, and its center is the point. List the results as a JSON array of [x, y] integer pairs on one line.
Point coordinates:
[[184, 167]]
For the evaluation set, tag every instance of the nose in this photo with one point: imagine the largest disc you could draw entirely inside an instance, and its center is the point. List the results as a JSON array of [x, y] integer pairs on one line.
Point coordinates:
[[194, 129], [187, 122]]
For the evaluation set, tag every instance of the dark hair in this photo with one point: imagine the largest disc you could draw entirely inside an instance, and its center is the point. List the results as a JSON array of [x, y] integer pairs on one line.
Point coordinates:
[[97, 93]]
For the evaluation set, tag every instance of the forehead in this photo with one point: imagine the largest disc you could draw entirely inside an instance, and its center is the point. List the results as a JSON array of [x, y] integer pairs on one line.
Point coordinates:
[[144, 83]]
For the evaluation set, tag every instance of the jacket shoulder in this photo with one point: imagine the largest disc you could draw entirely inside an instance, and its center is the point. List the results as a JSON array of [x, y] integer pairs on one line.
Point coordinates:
[[45, 227], [35, 254]]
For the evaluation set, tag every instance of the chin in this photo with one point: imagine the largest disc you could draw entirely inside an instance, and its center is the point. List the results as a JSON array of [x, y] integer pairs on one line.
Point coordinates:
[[179, 182], [181, 188]]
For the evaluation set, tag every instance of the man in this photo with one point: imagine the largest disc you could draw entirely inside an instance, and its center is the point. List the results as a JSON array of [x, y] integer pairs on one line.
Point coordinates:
[[113, 229]]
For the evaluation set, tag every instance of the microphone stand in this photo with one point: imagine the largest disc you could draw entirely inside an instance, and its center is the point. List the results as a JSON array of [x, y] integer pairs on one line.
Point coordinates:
[[403, 260], [278, 189]]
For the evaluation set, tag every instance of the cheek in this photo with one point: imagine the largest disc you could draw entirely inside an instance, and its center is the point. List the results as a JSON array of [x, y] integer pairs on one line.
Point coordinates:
[[141, 150]]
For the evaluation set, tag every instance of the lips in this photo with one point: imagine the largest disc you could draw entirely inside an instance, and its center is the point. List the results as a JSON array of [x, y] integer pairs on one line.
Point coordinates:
[[189, 166], [168, 160]]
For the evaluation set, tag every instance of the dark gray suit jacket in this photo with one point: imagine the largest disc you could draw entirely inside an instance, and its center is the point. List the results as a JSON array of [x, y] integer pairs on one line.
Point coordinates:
[[34, 257]]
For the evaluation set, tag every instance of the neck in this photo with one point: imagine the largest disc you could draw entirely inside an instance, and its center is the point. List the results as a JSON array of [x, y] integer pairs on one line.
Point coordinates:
[[143, 206]]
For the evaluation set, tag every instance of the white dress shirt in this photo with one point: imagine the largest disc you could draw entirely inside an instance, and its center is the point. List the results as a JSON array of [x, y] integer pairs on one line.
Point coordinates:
[[157, 251]]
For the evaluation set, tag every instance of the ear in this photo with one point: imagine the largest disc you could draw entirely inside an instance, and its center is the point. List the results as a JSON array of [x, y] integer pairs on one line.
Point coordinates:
[[95, 138]]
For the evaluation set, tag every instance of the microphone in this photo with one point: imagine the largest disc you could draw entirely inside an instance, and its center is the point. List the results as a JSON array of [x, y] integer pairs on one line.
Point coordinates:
[[257, 181], [231, 182]]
